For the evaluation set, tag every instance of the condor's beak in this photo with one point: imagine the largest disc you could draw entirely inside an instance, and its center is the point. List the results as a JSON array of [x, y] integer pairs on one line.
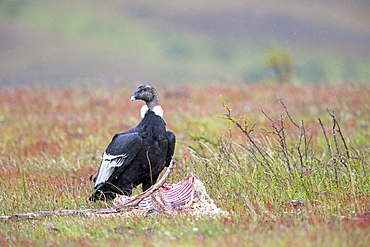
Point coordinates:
[[133, 97]]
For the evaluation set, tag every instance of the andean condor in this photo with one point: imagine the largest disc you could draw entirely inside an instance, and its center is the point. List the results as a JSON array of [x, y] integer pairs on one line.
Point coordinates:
[[136, 156]]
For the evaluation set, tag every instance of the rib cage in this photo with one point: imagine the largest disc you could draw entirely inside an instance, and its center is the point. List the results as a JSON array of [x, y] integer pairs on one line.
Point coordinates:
[[168, 197]]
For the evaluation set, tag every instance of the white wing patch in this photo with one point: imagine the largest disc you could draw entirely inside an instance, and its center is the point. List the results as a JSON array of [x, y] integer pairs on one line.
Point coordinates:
[[108, 165], [158, 110], [108, 157]]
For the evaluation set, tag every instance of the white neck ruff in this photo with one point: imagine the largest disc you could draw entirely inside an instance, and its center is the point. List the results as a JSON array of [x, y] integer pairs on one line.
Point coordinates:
[[157, 110]]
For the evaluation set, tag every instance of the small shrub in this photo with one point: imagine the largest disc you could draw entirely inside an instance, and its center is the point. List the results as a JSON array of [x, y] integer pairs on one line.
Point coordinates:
[[280, 61]]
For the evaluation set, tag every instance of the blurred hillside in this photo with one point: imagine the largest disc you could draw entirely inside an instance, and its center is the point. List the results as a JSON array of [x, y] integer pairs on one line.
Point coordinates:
[[112, 42]]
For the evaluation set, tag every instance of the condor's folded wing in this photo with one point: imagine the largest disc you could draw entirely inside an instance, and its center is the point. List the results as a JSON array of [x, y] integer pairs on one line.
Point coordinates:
[[117, 157]]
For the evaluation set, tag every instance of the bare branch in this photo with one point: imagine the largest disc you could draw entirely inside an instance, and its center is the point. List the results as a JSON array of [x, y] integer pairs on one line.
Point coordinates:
[[335, 123], [228, 115], [326, 138], [116, 209], [138, 198]]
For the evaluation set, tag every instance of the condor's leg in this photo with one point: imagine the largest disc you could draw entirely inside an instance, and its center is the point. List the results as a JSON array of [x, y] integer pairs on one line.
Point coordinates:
[[147, 183]]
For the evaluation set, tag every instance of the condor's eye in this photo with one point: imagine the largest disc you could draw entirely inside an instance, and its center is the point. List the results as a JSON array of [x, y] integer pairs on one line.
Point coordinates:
[[145, 90]]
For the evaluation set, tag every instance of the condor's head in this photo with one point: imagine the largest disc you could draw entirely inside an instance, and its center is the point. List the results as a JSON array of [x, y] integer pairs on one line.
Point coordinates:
[[149, 95]]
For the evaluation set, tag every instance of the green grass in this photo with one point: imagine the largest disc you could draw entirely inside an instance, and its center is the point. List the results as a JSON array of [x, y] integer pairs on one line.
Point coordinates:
[[65, 41], [52, 140]]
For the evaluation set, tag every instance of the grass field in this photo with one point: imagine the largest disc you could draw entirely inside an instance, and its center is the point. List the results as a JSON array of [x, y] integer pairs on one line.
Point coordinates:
[[289, 163]]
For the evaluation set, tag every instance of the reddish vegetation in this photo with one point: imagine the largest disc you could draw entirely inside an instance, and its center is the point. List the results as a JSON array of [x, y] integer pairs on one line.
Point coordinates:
[[55, 121], [72, 122], [52, 140]]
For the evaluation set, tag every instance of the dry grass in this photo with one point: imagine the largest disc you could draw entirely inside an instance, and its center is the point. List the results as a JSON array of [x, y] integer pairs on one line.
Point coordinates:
[[52, 139]]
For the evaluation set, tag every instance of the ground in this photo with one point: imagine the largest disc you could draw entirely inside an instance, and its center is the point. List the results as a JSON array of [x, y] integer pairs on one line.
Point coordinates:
[[288, 179]]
